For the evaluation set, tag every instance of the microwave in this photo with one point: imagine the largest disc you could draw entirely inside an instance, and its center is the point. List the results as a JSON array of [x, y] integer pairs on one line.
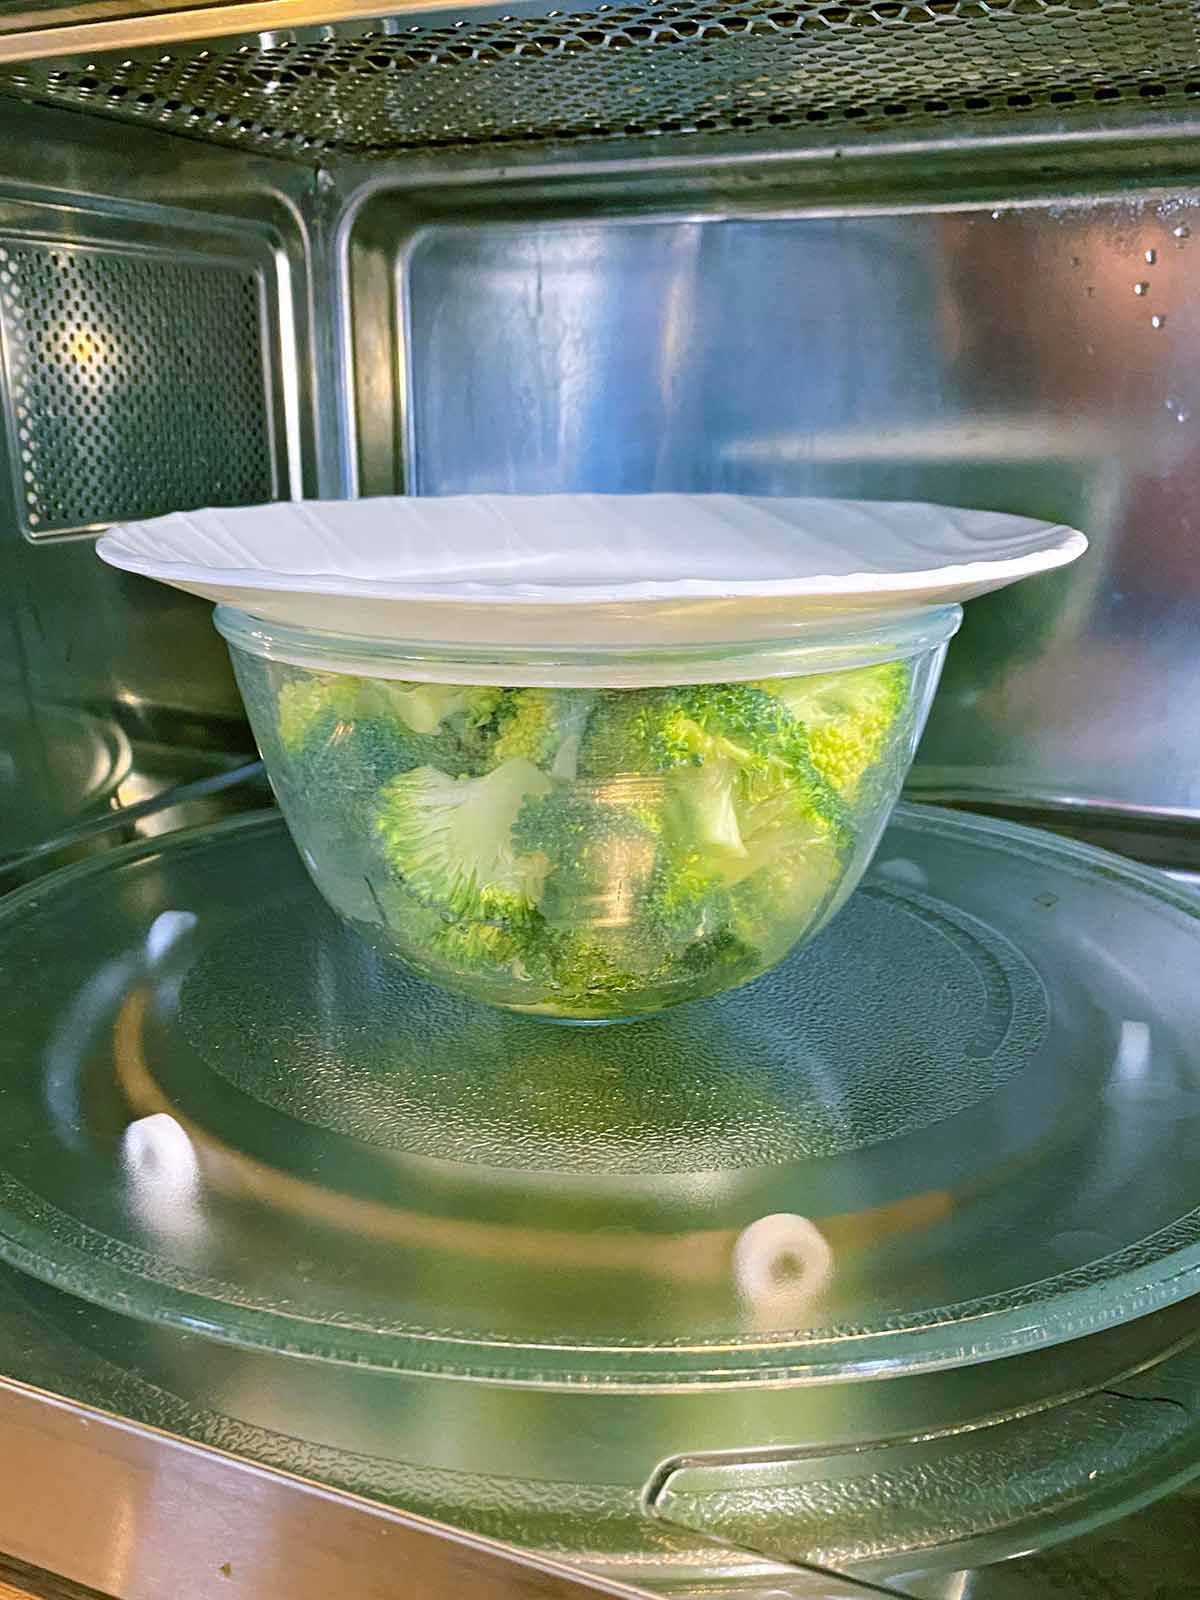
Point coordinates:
[[291, 250]]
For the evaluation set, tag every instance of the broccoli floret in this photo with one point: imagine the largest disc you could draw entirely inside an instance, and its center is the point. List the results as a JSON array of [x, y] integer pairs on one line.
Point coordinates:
[[849, 717], [544, 726], [743, 787], [703, 818], [699, 722], [433, 937], [423, 707], [314, 706], [442, 725], [450, 840], [615, 970], [342, 732], [591, 970], [338, 750], [601, 851], [478, 946], [619, 737], [721, 953]]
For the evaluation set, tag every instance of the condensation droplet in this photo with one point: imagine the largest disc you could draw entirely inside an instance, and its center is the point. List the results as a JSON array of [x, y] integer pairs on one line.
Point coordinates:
[[1157, 320], [996, 215], [1074, 261], [1182, 231], [1151, 257], [1141, 288], [1183, 415]]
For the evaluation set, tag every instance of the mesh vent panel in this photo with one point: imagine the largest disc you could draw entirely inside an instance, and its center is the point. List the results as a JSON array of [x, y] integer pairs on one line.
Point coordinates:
[[657, 68], [135, 384]]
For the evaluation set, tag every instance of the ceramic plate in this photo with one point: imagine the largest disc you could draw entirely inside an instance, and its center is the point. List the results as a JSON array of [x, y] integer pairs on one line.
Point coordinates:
[[581, 570]]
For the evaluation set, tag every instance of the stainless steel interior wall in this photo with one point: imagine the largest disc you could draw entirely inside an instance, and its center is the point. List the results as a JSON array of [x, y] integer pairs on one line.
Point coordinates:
[[1039, 357], [152, 230], [726, 321]]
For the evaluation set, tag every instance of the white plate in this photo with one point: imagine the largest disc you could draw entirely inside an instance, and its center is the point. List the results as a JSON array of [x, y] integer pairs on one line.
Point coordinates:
[[586, 570]]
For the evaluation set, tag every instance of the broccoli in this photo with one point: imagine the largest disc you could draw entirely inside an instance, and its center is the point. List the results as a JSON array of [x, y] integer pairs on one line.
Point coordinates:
[[336, 744], [849, 717], [600, 853], [744, 790], [619, 736], [423, 707], [544, 726], [590, 969], [450, 840], [478, 946], [597, 853], [738, 721], [312, 707], [353, 734]]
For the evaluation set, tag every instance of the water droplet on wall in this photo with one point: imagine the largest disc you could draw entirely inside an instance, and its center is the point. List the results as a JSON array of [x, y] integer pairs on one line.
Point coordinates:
[[1182, 231], [1140, 288], [1158, 320], [1151, 257]]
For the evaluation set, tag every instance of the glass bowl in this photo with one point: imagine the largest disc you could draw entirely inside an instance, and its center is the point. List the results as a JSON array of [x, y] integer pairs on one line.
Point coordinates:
[[589, 836]]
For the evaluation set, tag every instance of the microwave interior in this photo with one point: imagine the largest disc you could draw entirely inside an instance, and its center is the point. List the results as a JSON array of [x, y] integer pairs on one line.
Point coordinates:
[[923, 252]]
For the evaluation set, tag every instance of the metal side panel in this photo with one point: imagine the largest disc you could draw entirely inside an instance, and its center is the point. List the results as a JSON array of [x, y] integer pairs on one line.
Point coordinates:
[[1036, 356], [158, 350], [165, 1517]]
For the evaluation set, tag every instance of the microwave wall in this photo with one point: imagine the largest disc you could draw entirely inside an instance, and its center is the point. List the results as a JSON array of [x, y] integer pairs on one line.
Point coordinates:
[[185, 324]]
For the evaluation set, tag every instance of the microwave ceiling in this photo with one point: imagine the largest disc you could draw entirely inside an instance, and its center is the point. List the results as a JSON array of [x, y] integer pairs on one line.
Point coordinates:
[[376, 87]]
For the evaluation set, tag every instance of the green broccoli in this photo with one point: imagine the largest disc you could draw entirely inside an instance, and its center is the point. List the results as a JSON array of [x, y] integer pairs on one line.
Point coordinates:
[[423, 707], [353, 734], [336, 744], [478, 946], [744, 790], [623, 915], [432, 938], [591, 969], [619, 737], [600, 853], [850, 717], [450, 840], [544, 726], [597, 853], [313, 706]]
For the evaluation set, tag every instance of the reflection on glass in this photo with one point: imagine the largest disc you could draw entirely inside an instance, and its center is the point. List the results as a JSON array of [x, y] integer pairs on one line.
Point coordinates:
[[166, 931], [1133, 1050]]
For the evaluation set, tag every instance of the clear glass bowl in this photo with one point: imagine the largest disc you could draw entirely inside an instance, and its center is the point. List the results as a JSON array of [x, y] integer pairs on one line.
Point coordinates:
[[588, 837]]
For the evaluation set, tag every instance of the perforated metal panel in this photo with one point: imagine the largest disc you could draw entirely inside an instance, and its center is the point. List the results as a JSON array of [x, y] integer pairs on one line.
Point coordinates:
[[134, 384], [373, 89]]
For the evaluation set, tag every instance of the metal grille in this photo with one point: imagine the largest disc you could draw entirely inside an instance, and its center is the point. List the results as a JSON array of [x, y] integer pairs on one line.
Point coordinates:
[[649, 69], [135, 384]]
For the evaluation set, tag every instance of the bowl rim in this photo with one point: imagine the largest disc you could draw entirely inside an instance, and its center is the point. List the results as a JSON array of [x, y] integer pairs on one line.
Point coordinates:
[[808, 647]]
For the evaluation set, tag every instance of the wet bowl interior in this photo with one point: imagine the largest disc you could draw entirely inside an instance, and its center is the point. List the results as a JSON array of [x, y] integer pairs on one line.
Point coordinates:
[[589, 836]]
